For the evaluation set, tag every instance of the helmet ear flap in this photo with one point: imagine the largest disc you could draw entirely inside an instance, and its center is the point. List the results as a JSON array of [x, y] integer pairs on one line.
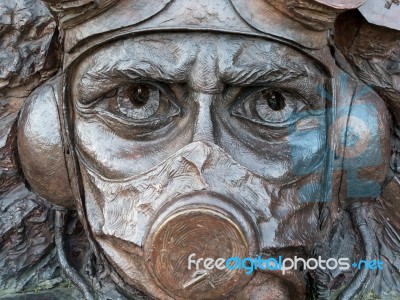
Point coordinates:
[[40, 146]]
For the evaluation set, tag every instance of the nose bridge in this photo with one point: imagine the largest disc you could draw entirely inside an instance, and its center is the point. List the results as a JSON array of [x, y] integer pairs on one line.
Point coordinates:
[[204, 74], [203, 129]]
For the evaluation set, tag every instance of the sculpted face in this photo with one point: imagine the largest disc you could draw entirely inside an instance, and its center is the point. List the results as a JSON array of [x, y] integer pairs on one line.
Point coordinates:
[[216, 145], [148, 97], [181, 133], [171, 123], [207, 144]]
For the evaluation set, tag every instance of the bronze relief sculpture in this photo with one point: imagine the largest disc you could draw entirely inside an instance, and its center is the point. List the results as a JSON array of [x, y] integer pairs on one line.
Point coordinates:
[[149, 133]]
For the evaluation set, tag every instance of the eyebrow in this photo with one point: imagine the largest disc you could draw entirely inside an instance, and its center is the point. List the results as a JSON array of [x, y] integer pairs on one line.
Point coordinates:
[[258, 65], [255, 75], [242, 67], [144, 69], [109, 73]]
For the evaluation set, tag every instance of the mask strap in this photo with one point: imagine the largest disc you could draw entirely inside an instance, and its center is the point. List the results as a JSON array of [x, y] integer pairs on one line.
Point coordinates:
[[60, 214], [338, 84]]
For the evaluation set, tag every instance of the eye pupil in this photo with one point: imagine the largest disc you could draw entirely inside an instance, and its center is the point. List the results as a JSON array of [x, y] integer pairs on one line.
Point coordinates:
[[275, 100], [139, 94]]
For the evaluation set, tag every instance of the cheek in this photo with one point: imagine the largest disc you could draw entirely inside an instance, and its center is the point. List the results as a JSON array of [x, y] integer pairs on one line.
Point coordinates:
[[272, 162], [308, 140], [288, 154], [356, 142], [113, 156]]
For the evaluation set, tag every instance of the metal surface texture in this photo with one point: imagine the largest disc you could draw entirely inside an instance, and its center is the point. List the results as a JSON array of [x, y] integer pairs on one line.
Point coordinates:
[[138, 137]]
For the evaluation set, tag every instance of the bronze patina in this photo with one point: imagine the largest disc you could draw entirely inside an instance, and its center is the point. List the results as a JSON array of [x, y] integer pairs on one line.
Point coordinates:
[[137, 133]]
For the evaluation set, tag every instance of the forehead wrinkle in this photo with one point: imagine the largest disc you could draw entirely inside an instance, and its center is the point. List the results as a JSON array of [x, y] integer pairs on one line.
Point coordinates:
[[162, 62]]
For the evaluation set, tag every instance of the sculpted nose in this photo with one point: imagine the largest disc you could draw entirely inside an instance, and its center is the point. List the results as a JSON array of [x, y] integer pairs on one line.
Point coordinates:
[[203, 128]]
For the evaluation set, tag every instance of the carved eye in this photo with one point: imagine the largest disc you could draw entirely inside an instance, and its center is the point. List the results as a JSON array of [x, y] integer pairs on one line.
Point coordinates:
[[268, 107], [139, 101]]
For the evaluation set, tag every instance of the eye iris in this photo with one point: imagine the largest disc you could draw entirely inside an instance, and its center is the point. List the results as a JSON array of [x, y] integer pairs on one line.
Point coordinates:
[[275, 100], [139, 94], [272, 106], [139, 101]]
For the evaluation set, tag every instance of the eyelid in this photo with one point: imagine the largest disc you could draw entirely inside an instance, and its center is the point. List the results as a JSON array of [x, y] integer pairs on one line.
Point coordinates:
[[309, 94], [114, 86], [92, 109], [289, 95], [163, 87], [139, 122]]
